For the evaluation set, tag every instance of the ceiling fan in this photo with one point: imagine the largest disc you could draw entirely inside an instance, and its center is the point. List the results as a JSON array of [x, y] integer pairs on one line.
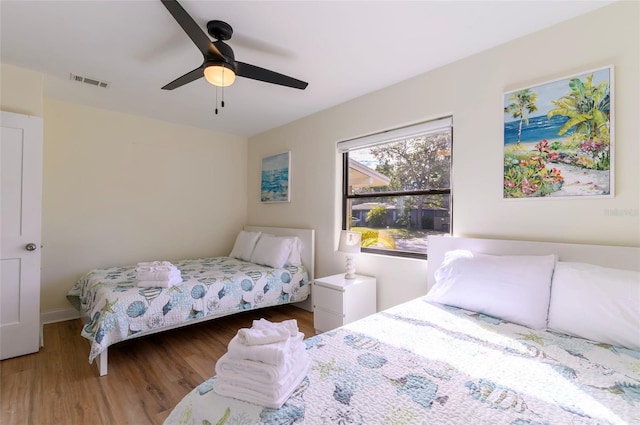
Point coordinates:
[[219, 66]]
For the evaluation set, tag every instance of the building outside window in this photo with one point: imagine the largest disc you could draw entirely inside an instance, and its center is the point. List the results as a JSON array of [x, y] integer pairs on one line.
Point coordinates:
[[397, 187]]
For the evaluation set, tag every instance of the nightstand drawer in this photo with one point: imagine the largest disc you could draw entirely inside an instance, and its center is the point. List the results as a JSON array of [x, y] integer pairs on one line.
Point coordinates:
[[328, 299], [338, 301], [324, 320]]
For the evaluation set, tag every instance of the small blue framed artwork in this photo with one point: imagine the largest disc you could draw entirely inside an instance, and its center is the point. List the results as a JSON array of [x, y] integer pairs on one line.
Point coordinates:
[[275, 179], [558, 138]]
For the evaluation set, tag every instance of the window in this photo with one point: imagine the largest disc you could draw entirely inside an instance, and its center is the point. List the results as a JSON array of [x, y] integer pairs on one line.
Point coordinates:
[[397, 187]]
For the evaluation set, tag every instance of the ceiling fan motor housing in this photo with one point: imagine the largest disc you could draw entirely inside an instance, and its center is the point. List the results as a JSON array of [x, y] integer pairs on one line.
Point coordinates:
[[227, 53], [219, 30]]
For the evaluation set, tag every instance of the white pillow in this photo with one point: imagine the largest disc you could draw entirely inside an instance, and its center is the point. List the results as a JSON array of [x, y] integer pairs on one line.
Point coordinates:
[[272, 251], [596, 303], [513, 288], [244, 245], [295, 257]]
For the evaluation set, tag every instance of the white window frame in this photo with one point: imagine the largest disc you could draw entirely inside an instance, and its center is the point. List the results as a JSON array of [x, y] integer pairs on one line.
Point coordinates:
[[394, 135]]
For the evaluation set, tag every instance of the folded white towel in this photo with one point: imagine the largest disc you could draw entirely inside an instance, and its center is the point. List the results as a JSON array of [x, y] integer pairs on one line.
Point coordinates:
[[264, 395], [250, 336], [164, 268], [259, 372], [290, 325], [158, 275], [167, 283], [155, 264], [274, 353], [143, 269]]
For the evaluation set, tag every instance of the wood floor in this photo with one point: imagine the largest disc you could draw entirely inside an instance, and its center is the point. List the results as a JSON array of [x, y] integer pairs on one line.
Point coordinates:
[[147, 376]]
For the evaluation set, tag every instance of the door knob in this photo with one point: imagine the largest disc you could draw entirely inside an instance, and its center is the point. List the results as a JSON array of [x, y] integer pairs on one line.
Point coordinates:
[[31, 247]]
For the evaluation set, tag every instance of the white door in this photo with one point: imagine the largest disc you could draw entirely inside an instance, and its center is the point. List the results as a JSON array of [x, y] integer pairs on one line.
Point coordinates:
[[21, 207]]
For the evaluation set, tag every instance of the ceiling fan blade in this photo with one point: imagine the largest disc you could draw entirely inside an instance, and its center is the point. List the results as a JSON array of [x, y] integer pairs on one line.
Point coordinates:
[[186, 78], [261, 74], [193, 30]]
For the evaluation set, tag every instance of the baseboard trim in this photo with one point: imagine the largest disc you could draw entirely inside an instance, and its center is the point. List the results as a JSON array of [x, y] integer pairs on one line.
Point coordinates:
[[61, 315]]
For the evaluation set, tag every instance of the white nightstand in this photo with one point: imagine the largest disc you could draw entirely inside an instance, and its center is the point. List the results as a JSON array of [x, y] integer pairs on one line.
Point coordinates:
[[338, 301]]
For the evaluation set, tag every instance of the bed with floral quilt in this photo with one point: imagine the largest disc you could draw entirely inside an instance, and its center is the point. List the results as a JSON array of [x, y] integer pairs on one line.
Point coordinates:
[[425, 363], [429, 362], [116, 308]]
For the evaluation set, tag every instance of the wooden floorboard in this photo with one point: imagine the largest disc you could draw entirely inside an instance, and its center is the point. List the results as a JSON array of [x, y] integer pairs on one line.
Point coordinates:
[[147, 376]]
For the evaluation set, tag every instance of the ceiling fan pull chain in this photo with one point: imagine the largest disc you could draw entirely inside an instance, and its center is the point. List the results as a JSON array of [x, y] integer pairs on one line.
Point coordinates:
[[222, 103], [216, 100]]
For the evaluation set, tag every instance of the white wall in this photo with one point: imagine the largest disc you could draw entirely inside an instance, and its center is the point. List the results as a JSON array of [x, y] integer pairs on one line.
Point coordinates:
[[119, 189], [471, 90], [20, 90]]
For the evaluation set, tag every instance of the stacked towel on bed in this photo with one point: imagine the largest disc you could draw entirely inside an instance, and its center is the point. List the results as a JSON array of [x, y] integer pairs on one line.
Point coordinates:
[[157, 274], [263, 364]]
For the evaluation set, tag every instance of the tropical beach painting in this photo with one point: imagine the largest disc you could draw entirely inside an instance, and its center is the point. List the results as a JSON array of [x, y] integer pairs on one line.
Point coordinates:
[[558, 138], [275, 178]]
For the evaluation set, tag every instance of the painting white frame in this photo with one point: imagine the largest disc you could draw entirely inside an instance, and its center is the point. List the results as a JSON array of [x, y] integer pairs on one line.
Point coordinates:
[[576, 182]]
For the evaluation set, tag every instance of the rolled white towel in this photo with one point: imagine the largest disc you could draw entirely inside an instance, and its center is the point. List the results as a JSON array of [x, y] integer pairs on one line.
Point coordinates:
[[264, 395], [250, 336], [252, 371], [290, 325]]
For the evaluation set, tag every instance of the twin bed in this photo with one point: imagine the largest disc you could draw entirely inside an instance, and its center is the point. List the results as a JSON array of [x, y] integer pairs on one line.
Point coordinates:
[[427, 362], [116, 309]]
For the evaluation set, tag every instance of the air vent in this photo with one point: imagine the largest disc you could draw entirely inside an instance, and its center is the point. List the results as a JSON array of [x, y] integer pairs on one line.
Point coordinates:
[[91, 81]]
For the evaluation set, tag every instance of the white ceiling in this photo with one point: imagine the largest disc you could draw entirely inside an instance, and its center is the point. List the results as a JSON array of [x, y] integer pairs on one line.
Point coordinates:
[[343, 49]]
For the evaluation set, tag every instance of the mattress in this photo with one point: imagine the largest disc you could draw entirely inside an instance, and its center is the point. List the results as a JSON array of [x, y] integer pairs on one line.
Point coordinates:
[[212, 287], [421, 363]]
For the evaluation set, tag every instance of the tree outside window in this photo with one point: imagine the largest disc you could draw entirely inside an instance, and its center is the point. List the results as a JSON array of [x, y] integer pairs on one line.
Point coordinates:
[[398, 192]]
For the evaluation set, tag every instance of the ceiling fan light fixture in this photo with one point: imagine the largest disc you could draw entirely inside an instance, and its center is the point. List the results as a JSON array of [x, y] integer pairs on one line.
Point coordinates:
[[219, 75]]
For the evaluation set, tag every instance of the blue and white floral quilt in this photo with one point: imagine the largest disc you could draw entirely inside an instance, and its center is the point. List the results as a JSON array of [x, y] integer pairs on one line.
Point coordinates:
[[421, 363], [212, 287]]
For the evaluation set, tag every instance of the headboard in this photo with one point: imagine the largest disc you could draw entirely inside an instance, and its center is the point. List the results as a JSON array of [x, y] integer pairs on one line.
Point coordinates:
[[619, 257], [307, 236]]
